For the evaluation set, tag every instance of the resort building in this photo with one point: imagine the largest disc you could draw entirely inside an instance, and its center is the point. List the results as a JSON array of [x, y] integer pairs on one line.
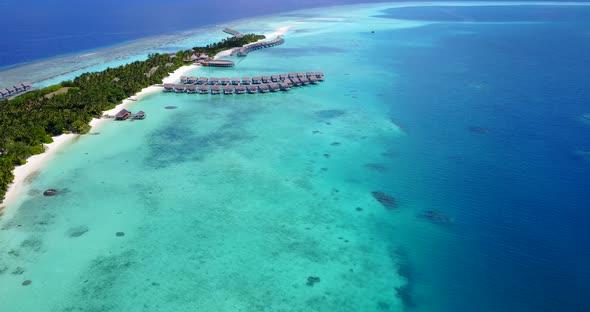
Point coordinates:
[[216, 63], [191, 89], [228, 90], [123, 114], [179, 88], [140, 115], [240, 89], [203, 89], [251, 89], [216, 89]]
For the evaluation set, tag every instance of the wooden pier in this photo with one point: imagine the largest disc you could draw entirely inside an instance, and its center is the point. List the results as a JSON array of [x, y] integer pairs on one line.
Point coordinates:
[[260, 45], [257, 84], [232, 32]]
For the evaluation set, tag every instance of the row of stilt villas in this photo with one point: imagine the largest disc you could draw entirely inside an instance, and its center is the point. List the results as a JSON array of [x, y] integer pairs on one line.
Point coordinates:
[[309, 77], [14, 90], [258, 84], [260, 45]]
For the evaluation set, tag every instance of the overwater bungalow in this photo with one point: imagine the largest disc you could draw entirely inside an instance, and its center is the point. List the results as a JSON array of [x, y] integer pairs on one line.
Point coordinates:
[[19, 88], [319, 75], [273, 87], [283, 77], [179, 88], [213, 81], [304, 80], [292, 75], [265, 79], [203, 89], [275, 78], [263, 88], [283, 86], [202, 80], [256, 80], [168, 87], [251, 89], [246, 80], [310, 74], [228, 90], [11, 90], [217, 63], [192, 80], [4, 93], [123, 114], [240, 89], [140, 115], [313, 79], [235, 81], [192, 89], [216, 89], [183, 79], [224, 81], [300, 75], [296, 82], [27, 86]]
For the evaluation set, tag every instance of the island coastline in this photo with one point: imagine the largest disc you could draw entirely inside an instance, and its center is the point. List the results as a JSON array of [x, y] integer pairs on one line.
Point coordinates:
[[36, 163]]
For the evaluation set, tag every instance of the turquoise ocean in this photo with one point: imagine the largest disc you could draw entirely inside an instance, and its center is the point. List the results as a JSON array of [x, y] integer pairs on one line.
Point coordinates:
[[269, 202]]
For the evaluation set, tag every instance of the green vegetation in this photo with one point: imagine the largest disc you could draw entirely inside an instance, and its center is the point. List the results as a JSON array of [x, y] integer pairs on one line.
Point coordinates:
[[31, 119], [227, 44]]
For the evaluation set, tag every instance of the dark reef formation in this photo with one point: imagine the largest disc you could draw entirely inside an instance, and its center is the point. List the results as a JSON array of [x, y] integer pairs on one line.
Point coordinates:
[[312, 280], [435, 217], [330, 113], [50, 192], [377, 167], [478, 130], [387, 201], [77, 231], [120, 234], [405, 292], [171, 107]]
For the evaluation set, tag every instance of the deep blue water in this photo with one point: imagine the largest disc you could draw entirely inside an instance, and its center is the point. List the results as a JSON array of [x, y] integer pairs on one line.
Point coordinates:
[[493, 127], [40, 29]]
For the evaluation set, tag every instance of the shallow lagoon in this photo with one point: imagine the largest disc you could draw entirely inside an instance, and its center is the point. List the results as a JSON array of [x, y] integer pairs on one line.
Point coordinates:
[[283, 201]]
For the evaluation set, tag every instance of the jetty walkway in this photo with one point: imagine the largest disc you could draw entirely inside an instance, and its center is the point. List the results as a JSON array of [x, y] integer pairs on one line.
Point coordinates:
[[258, 84], [232, 32], [260, 45], [18, 88]]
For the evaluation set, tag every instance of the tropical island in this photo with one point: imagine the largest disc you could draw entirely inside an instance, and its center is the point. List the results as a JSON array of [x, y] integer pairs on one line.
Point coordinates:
[[32, 119]]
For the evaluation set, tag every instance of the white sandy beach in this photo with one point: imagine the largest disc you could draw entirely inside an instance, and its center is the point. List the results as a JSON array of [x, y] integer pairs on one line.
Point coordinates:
[[36, 162]]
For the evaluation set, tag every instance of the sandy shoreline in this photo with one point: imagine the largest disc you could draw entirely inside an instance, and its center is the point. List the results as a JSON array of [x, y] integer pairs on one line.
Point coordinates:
[[36, 162]]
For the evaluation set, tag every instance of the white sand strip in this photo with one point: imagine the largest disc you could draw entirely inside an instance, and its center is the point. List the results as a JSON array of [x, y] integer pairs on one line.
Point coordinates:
[[36, 162]]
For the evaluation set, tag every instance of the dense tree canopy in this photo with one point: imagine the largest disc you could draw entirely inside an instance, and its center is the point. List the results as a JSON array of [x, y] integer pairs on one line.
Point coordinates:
[[28, 121]]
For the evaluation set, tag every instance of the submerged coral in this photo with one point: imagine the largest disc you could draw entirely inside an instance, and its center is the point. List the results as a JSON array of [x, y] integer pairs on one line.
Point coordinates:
[[385, 200], [376, 167], [436, 217], [478, 130], [50, 192], [312, 280], [330, 113]]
